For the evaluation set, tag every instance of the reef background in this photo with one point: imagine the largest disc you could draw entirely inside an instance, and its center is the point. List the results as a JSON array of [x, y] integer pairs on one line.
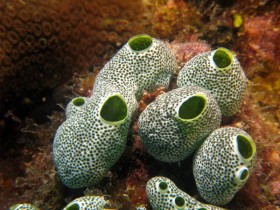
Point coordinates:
[[51, 51]]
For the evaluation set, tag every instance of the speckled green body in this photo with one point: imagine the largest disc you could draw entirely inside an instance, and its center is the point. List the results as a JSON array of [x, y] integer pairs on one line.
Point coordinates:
[[228, 85], [87, 203], [218, 164], [23, 206], [85, 147], [169, 138], [165, 199]]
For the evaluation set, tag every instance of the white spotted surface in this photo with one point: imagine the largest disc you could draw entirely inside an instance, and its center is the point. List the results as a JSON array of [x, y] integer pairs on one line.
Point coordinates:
[[88, 203], [216, 165], [139, 71], [72, 109], [23, 206]]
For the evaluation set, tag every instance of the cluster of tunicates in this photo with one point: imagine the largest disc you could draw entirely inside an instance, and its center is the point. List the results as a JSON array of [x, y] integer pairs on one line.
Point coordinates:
[[187, 120], [94, 135], [177, 124]]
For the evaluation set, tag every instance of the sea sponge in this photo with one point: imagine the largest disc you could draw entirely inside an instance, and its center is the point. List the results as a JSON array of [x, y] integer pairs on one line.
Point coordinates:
[[87, 202], [24, 206], [223, 164], [164, 194], [220, 72], [176, 123], [94, 137]]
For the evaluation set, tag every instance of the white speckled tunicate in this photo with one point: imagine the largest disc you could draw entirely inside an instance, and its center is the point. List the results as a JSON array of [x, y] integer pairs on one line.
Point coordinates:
[[136, 70], [163, 194], [93, 137], [86, 146], [220, 72], [87, 203], [177, 122], [223, 164], [23, 206]]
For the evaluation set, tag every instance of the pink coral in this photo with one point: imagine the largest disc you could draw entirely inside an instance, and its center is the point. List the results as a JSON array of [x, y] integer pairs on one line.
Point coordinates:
[[185, 51]]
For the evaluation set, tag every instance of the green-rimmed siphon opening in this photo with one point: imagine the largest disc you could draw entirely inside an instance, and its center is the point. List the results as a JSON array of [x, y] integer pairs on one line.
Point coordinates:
[[241, 174], [222, 58], [192, 107], [201, 208], [244, 174], [79, 101], [246, 146], [140, 42], [163, 185], [74, 206], [114, 110], [180, 201]]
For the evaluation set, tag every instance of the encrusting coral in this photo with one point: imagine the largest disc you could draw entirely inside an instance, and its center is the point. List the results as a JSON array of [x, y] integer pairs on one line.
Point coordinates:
[[223, 164], [164, 194], [43, 44], [220, 72], [95, 137], [177, 122]]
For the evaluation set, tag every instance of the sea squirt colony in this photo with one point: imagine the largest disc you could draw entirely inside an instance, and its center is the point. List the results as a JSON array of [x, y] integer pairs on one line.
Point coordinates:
[[93, 137], [175, 125]]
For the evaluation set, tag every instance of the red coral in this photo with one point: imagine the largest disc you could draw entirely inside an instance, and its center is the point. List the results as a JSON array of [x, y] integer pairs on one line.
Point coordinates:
[[149, 97], [259, 40], [185, 51]]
